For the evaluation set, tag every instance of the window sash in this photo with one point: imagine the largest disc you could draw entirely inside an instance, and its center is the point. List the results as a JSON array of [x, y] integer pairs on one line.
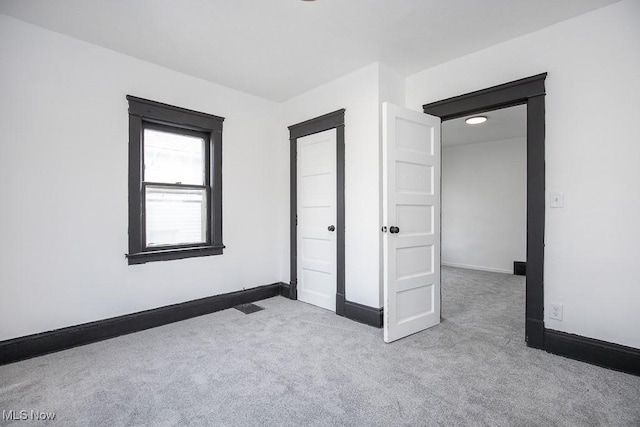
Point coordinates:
[[172, 129], [171, 164], [208, 161], [207, 217]]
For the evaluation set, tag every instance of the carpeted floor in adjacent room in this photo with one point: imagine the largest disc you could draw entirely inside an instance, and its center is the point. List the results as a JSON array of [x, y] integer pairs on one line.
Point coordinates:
[[296, 364]]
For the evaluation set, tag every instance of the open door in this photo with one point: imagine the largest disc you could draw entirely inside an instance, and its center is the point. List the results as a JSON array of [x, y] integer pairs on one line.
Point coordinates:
[[411, 219]]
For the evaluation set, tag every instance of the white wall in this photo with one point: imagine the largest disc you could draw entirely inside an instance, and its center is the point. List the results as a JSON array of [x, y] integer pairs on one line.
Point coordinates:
[[484, 215], [592, 154], [64, 166], [357, 92]]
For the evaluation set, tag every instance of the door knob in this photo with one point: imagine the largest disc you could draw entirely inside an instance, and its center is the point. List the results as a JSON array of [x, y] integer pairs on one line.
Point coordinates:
[[394, 230], [331, 228]]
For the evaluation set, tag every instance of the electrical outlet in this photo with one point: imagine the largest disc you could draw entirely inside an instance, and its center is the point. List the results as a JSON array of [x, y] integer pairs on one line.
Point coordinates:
[[555, 311]]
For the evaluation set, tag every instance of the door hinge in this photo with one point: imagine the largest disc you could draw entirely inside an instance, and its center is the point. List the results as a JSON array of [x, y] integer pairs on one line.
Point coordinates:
[[384, 229]]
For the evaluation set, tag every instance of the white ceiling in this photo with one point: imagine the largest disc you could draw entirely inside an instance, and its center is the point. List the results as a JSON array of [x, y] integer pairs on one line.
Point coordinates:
[[277, 49], [506, 123]]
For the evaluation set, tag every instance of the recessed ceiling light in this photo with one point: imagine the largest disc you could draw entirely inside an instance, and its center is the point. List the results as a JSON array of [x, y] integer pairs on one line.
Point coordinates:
[[476, 120]]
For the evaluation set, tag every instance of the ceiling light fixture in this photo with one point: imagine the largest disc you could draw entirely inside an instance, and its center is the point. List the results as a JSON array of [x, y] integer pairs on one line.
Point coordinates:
[[476, 120]]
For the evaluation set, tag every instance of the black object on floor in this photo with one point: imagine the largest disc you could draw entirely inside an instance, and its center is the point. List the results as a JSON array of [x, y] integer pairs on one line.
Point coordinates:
[[519, 268], [248, 308]]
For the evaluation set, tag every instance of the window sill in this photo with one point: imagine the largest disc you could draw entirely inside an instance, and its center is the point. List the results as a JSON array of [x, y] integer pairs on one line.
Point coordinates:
[[171, 254]]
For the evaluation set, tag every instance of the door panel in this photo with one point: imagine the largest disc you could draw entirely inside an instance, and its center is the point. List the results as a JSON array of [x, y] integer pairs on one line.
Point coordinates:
[[316, 198], [411, 202]]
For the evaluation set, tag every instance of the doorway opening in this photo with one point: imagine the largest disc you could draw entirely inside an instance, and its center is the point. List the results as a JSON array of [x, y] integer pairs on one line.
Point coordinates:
[[531, 93], [484, 178], [297, 133]]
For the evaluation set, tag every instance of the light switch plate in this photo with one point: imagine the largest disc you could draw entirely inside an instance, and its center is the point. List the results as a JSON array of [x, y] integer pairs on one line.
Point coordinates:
[[556, 199]]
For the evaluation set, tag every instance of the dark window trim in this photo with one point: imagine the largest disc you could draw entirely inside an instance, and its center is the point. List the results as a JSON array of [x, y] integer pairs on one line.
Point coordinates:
[[309, 127], [145, 113], [529, 91]]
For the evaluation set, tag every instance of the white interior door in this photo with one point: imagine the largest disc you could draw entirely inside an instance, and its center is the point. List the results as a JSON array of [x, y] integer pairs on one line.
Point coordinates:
[[317, 214], [411, 213]]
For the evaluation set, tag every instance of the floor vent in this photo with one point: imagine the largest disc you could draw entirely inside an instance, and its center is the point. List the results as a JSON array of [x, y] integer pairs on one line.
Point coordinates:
[[248, 308]]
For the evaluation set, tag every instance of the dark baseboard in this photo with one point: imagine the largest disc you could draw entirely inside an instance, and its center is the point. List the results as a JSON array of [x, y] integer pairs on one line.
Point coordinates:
[[285, 290], [520, 268], [364, 314], [596, 352], [293, 290], [30, 346], [534, 333], [340, 301]]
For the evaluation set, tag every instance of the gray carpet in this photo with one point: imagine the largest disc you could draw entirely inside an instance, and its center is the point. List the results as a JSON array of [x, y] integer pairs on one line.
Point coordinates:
[[295, 364]]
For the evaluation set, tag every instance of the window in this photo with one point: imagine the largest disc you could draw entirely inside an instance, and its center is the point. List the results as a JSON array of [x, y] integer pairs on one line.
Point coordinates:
[[175, 182]]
